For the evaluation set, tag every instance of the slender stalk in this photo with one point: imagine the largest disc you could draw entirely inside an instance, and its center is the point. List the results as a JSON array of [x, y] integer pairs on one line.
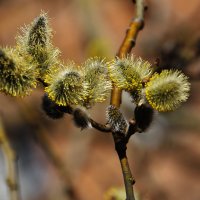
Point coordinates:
[[100, 127], [120, 147], [128, 179], [94, 124], [131, 130], [120, 143], [11, 161], [140, 8]]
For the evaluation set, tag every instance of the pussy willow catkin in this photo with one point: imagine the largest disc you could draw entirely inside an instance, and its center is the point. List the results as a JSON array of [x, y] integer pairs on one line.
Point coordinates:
[[35, 40], [167, 90], [16, 77], [97, 80]]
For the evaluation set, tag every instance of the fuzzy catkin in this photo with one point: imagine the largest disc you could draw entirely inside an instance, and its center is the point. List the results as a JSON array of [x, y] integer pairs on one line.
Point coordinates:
[[16, 77], [116, 119], [35, 41], [167, 90], [66, 84], [97, 80], [129, 72]]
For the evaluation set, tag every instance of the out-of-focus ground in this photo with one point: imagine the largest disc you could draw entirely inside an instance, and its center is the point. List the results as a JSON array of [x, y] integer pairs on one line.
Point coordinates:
[[165, 160]]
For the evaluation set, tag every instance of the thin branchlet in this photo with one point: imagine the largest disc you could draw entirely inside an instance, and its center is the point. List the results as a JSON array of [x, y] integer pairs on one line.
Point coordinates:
[[125, 48]]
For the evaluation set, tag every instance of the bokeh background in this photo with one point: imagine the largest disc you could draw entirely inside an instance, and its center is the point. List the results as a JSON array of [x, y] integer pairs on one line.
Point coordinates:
[[56, 160]]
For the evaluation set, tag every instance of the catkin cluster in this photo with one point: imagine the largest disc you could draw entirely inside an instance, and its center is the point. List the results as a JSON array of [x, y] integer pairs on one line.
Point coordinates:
[[27, 62], [34, 58], [164, 91], [149, 90], [83, 85]]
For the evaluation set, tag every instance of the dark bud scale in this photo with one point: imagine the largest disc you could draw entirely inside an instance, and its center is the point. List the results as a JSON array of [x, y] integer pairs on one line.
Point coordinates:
[[80, 118], [51, 109], [143, 116]]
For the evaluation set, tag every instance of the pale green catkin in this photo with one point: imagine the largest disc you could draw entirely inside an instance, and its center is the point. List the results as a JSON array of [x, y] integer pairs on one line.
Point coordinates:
[[129, 72], [167, 90], [35, 40], [97, 80], [66, 84], [16, 77]]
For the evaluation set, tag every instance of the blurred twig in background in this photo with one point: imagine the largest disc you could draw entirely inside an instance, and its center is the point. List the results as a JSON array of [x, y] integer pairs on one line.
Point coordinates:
[[11, 163], [42, 137]]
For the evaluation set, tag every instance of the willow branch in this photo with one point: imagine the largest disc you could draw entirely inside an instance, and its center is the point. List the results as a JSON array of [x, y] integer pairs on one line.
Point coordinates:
[[10, 158], [128, 43], [120, 147], [132, 32], [100, 127], [140, 8]]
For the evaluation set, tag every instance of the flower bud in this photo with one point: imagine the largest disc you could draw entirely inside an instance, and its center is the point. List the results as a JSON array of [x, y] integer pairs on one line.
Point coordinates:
[[116, 120], [80, 119], [143, 116], [51, 109]]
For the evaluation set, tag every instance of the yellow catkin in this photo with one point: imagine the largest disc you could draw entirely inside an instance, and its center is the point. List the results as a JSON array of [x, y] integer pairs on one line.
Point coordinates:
[[97, 80], [167, 90], [16, 77], [66, 84], [129, 72], [35, 41]]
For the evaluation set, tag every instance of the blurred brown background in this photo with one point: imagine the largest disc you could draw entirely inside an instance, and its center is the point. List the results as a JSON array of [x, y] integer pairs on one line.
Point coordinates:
[[165, 160]]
